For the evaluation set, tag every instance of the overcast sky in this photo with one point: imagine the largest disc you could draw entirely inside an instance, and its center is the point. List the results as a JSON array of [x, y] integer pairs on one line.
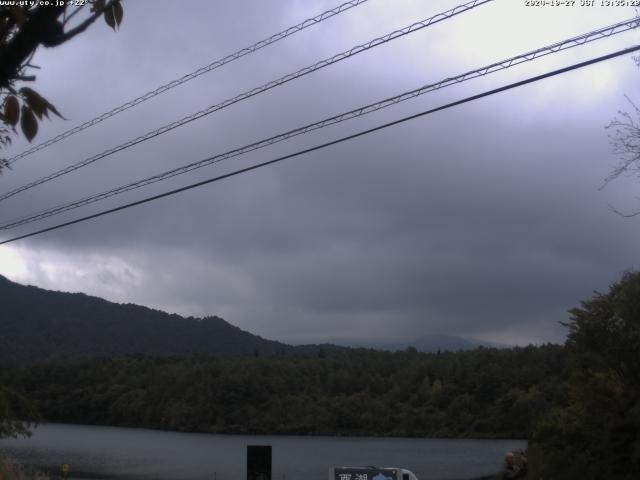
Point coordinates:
[[484, 220]]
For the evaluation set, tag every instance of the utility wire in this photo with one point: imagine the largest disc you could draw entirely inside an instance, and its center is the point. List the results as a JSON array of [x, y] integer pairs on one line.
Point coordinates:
[[250, 93], [195, 74], [501, 65], [334, 142]]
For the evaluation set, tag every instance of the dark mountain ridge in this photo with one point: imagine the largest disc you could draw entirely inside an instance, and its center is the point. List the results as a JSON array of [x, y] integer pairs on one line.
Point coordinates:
[[38, 324]]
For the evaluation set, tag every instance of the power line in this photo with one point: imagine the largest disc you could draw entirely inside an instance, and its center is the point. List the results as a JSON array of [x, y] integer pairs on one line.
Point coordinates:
[[334, 142], [501, 65], [255, 91], [195, 74]]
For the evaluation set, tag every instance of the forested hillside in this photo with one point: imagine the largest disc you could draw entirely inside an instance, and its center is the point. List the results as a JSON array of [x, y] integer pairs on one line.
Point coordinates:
[[596, 434], [479, 393], [38, 324]]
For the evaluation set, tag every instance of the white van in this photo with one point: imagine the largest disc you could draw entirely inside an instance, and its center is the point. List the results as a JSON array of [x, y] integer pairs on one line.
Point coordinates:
[[370, 473]]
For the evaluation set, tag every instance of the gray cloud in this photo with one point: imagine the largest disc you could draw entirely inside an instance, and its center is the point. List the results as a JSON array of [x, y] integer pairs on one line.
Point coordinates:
[[484, 220]]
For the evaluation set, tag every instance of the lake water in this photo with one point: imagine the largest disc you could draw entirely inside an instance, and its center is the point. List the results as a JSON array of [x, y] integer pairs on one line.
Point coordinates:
[[112, 452]]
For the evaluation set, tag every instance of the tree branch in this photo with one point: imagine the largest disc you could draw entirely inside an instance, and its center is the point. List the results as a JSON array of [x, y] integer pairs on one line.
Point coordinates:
[[72, 14], [81, 27], [625, 215]]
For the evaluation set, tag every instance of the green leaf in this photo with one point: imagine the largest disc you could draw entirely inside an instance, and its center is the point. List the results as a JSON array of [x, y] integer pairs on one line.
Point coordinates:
[[118, 12], [40, 105], [11, 110], [54, 110], [28, 123], [110, 18], [35, 101]]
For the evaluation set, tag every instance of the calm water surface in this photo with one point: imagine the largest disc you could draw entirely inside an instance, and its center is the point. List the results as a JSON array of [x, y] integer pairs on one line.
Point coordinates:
[[112, 452]]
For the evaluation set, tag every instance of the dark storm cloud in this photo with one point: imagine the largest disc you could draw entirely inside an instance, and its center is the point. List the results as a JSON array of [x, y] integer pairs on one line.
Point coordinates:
[[482, 220]]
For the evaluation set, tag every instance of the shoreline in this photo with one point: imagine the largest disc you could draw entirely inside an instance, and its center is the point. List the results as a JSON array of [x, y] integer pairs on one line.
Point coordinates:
[[285, 434]]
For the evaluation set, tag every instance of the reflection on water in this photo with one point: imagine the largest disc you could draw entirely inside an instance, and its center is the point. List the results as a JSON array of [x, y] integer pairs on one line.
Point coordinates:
[[111, 452]]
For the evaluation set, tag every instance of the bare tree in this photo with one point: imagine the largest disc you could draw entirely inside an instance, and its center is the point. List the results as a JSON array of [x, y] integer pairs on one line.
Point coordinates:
[[625, 140]]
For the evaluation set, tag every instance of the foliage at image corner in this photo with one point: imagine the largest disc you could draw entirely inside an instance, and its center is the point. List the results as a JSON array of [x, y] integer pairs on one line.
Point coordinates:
[[13, 407], [23, 29], [597, 435], [11, 470]]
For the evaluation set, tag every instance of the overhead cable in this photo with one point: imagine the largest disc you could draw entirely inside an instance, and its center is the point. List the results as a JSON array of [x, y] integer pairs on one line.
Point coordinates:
[[190, 76], [494, 67], [255, 91], [494, 91]]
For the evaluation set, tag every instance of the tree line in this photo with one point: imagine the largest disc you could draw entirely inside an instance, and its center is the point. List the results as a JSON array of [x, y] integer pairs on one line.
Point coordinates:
[[483, 393]]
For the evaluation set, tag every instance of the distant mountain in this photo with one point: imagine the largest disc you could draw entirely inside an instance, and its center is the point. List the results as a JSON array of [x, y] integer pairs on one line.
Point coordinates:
[[38, 324], [425, 343]]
